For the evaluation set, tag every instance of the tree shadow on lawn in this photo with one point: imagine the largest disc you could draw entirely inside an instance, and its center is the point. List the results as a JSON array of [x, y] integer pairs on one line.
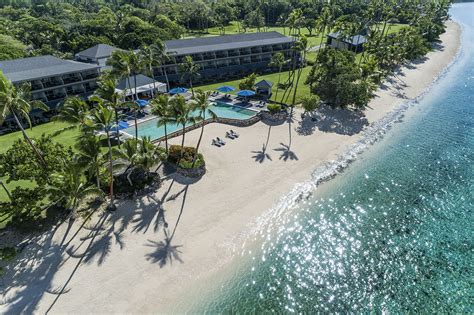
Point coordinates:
[[340, 121]]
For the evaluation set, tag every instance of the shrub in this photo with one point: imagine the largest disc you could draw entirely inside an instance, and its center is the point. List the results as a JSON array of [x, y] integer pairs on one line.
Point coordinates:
[[274, 108], [248, 82], [186, 162]]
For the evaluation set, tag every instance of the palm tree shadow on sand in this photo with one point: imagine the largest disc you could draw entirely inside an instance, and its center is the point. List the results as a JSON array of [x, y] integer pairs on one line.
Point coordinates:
[[286, 153], [164, 251]]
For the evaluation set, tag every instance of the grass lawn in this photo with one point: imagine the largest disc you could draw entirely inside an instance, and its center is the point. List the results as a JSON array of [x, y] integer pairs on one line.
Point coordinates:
[[303, 89]]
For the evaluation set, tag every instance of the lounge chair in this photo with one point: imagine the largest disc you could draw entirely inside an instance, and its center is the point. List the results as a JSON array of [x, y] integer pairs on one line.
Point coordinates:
[[216, 143], [221, 142], [230, 135], [234, 134]]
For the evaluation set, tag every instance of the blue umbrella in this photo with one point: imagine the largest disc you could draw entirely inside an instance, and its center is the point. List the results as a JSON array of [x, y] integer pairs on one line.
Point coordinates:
[[141, 103], [225, 89], [245, 93], [178, 90], [121, 125]]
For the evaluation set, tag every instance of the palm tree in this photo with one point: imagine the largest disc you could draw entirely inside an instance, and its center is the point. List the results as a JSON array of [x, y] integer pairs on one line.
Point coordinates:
[[121, 64], [278, 61], [136, 67], [190, 69], [324, 24], [162, 57], [89, 156], [201, 102], [107, 92], [103, 118], [71, 187], [15, 101], [154, 56], [74, 111], [181, 115], [302, 47], [160, 107]]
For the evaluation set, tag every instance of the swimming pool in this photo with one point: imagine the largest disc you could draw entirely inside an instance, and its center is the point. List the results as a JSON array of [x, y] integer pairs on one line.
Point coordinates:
[[150, 129]]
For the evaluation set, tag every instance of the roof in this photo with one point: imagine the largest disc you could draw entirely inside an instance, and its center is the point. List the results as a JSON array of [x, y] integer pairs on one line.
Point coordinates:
[[224, 42], [264, 83], [141, 81], [354, 40], [26, 69], [98, 51]]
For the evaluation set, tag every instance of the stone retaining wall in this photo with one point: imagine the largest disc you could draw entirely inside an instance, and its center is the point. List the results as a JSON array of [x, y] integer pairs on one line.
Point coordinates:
[[227, 121]]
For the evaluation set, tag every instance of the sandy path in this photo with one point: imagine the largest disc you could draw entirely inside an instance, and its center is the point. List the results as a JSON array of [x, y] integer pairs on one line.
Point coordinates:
[[113, 263]]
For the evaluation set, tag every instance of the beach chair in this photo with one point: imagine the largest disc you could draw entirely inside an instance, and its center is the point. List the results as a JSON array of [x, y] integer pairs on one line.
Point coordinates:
[[234, 134], [229, 135], [216, 143], [221, 142]]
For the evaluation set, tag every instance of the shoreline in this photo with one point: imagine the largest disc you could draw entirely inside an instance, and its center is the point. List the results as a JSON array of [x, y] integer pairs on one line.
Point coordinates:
[[209, 219]]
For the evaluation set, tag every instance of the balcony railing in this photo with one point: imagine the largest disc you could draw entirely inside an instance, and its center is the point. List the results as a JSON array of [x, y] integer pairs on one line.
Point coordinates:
[[68, 80], [52, 83], [88, 76]]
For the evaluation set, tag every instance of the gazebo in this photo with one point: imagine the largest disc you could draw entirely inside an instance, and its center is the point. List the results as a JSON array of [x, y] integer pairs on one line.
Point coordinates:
[[264, 88]]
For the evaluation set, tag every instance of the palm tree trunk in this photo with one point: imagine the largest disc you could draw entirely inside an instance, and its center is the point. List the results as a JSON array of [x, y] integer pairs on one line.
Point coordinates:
[[6, 190], [117, 135], [191, 85], [135, 83], [200, 138], [166, 78], [154, 84], [27, 138], [111, 170], [166, 139], [136, 123], [130, 86], [182, 145], [278, 84], [97, 178]]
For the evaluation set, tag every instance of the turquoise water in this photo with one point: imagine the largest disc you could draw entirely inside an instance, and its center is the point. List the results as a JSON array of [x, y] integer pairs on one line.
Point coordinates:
[[394, 233], [150, 129]]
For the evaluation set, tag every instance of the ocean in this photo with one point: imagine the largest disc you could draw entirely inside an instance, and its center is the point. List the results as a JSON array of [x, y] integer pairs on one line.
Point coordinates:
[[392, 233]]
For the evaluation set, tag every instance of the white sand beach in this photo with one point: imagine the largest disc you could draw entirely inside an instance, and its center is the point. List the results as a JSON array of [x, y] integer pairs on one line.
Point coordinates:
[[115, 263]]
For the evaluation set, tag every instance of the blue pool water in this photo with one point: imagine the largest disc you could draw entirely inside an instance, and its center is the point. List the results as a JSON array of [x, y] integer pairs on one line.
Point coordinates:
[[150, 129], [393, 234]]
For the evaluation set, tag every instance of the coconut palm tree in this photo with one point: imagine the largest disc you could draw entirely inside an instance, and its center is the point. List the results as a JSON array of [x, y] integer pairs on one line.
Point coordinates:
[[74, 111], [302, 48], [89, 156], [189, 69], [136, 67], [160, 106], [201, 103], [71, 187], [278, 61], [103, 119], [162, 57], [107, 92], [180, 114], [153, 56], [121, 64], [15, 101]]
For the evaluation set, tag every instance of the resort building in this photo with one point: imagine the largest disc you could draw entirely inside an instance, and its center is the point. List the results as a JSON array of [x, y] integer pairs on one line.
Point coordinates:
[[353, 43], [219, 57], [146, 88], [264, 88], [52, 79], [97, 55], [226, 56]]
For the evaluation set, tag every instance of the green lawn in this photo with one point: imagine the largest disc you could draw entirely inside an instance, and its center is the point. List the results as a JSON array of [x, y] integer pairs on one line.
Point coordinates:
[[273, 77]]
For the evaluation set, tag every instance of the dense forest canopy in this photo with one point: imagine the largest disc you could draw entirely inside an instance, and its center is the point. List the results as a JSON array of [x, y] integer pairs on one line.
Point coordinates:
[[62, 28]]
